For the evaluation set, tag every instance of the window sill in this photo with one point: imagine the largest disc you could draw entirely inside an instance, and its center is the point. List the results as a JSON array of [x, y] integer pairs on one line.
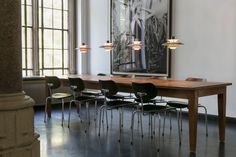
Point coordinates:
[[33, 78]]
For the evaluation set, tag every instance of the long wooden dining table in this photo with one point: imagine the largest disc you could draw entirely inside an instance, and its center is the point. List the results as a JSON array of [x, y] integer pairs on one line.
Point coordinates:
[[189, 90]]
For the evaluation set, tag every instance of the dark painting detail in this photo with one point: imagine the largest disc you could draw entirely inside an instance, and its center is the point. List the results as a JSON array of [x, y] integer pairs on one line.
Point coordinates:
[[147, 20]]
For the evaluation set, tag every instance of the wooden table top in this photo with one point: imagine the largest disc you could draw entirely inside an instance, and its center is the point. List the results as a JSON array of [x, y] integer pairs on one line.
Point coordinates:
[[159, 83]]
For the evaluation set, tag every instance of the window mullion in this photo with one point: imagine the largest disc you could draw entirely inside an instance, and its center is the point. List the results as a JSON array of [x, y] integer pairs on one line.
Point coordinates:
[[62, 21], [71, 34], [35, 38], [26, 46], [42, 37]]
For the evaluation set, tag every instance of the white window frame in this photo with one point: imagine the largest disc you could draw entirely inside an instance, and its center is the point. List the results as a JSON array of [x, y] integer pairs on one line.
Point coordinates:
[[71, 41]]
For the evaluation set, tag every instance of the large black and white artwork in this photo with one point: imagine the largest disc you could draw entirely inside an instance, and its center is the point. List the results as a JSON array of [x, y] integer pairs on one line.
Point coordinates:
[[148, 21]]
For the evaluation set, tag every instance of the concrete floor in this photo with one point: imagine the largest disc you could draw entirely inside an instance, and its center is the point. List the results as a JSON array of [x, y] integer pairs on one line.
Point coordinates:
[[58, 141]]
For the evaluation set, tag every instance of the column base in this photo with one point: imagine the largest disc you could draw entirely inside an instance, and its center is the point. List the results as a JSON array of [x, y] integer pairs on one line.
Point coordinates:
[[17, 137]]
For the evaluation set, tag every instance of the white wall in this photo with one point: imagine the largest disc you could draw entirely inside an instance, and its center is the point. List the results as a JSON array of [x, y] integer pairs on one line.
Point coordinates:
[[99, 34], [208, 30]]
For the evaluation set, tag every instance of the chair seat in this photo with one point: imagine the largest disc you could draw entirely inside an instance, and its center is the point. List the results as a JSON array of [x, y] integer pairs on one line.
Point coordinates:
[[116, 96], [155, 108], [61, 95], [92, 92], [84, 98], [119, 103], [178, 104], [145, 101]]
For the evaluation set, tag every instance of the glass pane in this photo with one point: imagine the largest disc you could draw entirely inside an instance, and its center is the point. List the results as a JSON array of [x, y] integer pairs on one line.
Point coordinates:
[[22, 1], [40, 17], [29, 38], [29, 59], [48, 59], [66, 72], [30, 73], [57, 19], [65, 40], [23, 59], [48, 72], [47, 3], [57, 58], [23, 37], [39, 3], [57, 39], [29, 16], [57, 4], [29, 2], [47, 18], [66, 59], [65, 20], [57, 72], [48, 39], [23, 72], [22, 15], [65, 4], [40, 59]]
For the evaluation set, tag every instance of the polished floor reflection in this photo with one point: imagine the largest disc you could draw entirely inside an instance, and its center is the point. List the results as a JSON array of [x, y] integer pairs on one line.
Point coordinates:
[[58, 141]]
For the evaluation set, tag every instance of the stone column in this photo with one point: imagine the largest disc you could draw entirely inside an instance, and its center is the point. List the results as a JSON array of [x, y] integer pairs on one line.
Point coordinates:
[[17, 137]]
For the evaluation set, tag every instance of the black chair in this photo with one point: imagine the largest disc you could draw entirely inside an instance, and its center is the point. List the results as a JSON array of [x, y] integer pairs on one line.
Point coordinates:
[[96, 93], [181, 105], [53, 83], [112, 101], [101, 74], [77, 86], [145, 94]]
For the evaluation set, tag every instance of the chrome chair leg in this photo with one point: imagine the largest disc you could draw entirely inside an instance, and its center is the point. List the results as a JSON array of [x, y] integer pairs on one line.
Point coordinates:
[[70, 112], [179, 129], [100, 118], [106, 118], [141, 122], [154, 125], [62, 113], [45, 110], [181, 122], [164, 124], [120, 123], [151, 123], [87, 113], [95, 108], [159, 132], [122, 118], [111, 114], [132, 125], [87, 121], [170, 115]]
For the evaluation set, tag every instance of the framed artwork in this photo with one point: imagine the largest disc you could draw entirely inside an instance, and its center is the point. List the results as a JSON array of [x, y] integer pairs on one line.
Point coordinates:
[[148, 21]]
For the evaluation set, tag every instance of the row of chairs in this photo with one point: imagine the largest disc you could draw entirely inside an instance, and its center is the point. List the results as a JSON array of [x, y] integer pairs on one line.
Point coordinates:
[[144, 102]]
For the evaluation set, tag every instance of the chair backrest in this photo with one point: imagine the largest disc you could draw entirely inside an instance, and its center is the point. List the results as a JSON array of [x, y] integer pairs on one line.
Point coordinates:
[[196, 79], [101, 74], [148, 88], [108, 85], [78, 83], [53, 82]]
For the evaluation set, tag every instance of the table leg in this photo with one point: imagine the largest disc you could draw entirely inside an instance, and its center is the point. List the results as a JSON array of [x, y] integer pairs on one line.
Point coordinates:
[[221, 114], [193, 113]]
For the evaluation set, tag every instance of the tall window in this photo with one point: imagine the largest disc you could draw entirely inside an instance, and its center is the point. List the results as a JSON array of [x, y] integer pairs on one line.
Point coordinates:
[[27, 40], [45, 36]]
